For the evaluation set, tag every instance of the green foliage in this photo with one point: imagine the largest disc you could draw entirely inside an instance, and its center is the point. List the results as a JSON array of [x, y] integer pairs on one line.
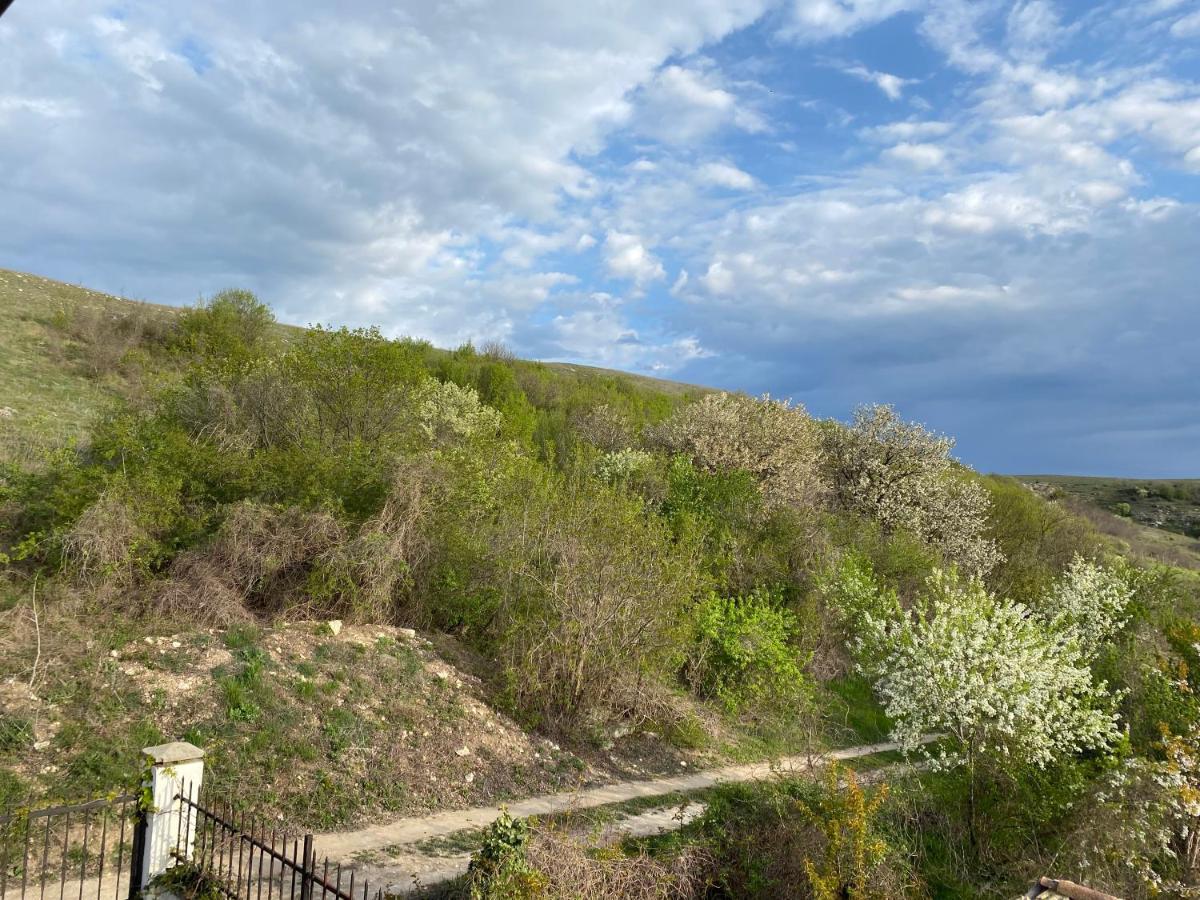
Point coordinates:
[[744, 654], [851, 707], [243, 690], [794, 837], [864, 608], [12, 790], [16, 732], [188, 882], [229, 328], [1038, 539], [721, 508], [499, 869]]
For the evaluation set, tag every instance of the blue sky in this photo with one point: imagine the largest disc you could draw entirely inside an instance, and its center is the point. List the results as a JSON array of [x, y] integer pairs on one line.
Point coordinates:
[[984, 213]]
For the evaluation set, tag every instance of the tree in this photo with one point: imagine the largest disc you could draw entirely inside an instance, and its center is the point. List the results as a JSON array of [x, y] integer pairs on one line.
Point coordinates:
[[903, 476], [1090, 599], [775, 442], [231, 325], [993, 678]]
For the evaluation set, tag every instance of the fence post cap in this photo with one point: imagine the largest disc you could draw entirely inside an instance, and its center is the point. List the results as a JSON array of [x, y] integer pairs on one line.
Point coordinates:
[[173, 753]]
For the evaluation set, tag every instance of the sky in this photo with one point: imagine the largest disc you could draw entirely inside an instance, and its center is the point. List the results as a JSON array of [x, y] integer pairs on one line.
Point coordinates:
[[986, 214]]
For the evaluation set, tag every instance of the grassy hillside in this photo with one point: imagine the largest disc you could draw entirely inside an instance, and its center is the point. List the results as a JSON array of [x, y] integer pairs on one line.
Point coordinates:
[[1169, 504], [374, 577], [1154, 519], [67, 353]]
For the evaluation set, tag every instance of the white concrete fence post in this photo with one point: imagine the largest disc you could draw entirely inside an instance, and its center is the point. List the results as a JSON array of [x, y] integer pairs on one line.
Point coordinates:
[[175, 769]]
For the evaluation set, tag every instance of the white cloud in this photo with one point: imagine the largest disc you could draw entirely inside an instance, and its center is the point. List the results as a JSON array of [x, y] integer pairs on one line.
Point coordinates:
[[919, 156], [351, 163], [892, 85], [626, 257], [726, 175], [1186, 26], [718, 279], [813, 20], [906, 131], [682, 104]]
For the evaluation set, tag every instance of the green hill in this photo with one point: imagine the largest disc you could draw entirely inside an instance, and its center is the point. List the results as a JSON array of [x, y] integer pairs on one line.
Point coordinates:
[[373, 577]]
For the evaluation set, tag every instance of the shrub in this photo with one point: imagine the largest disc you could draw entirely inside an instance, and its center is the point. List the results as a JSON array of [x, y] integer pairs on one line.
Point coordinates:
[[604, 427], [229, 326], [1037, 538], [499, 870], [865, 609], [775, 442], [564, 580], [575, 868], [795, 838], [743, 654], [1090, 599], [903, 476], [126, 532], [721, 509], [593, 586], [449, 414], [257, 561], [1136, 833], [109, 336], [990, 676]]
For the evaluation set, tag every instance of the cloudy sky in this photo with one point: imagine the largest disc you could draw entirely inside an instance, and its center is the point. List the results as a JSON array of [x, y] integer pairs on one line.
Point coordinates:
[[985, 213]]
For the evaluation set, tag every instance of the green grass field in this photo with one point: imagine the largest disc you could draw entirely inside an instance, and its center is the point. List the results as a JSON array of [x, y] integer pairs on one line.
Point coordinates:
[[47, 399]]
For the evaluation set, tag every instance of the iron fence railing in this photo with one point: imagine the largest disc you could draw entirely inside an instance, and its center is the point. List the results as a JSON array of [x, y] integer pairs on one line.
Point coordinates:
[[84, 851], [245, 860]]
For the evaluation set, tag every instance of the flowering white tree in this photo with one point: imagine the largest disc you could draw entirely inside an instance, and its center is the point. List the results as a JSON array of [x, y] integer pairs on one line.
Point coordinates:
[[994, 679], [620, 465], [449, 413], [902, 475], [1141, 834], [774, 441], [1090, 598]]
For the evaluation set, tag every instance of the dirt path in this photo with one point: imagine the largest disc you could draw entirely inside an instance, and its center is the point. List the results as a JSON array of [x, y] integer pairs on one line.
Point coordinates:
[[389, 851]]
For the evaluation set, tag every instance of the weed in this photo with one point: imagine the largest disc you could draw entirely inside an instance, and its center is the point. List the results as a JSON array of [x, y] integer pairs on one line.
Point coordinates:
[[16, 732]]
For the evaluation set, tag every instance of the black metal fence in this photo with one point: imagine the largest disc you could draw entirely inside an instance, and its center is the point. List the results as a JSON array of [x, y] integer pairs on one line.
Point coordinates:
[[247, 861], [96, 851], [87, 851]]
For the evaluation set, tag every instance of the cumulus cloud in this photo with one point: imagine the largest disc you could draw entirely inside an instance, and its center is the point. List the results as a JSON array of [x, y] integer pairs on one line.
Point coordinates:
[[349, 162], [726, 175], [627, 257], [919, 156], [892, 85], [813, 20], [682, 104]]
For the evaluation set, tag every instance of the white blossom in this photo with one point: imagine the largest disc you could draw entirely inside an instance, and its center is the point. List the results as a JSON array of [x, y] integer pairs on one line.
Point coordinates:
[[1091, 599], [448, 412], [619, 465], [903, 476], [774, 441], [992, 678]]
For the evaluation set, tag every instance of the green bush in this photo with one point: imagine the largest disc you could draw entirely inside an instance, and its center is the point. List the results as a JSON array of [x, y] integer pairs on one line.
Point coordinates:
[[499, 870], [230, 326], [744, 654], [804, 839]]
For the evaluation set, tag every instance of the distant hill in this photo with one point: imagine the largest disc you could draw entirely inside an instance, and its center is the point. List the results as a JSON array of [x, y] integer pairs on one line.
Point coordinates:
[[1159, 518]]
